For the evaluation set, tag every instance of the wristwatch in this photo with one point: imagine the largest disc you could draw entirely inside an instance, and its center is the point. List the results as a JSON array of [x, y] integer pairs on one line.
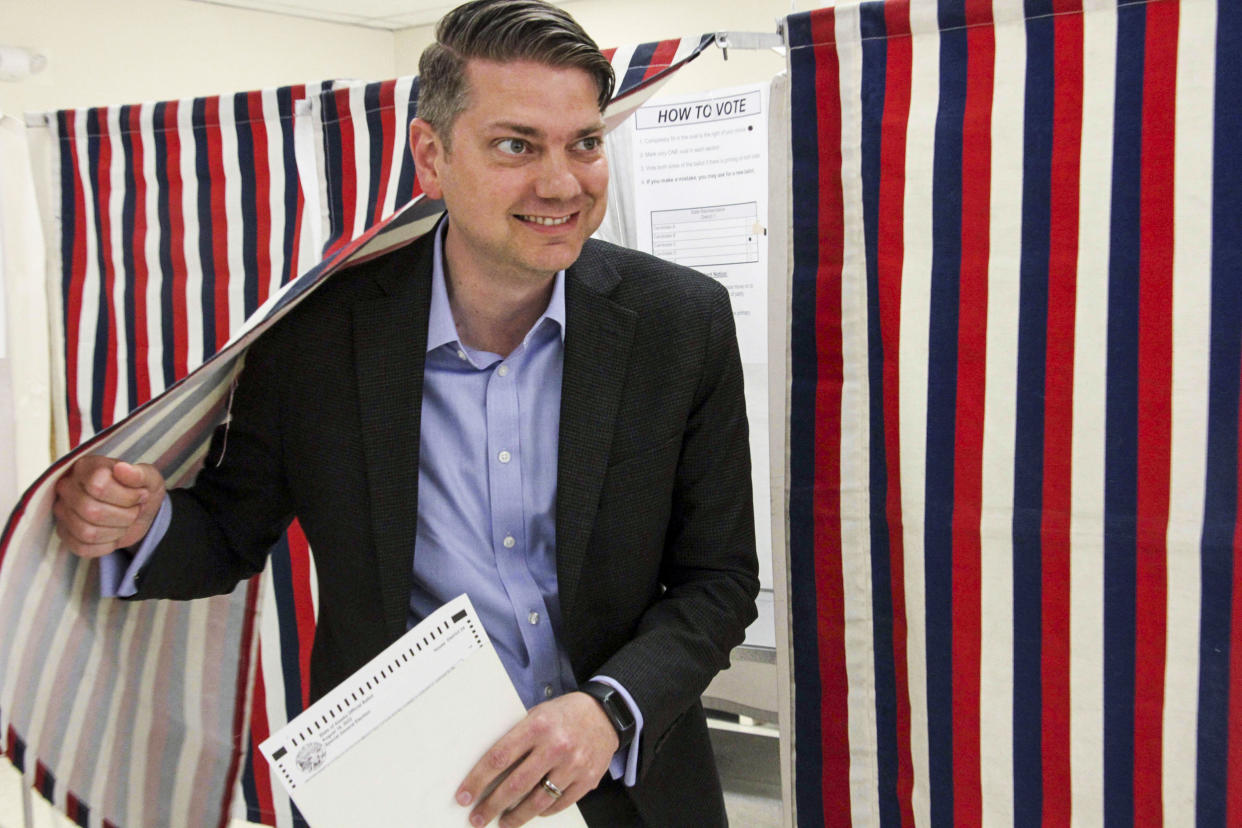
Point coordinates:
[[615, 708]]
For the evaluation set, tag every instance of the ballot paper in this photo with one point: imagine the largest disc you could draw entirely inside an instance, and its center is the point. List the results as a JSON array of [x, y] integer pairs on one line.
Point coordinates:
[[390, 744]]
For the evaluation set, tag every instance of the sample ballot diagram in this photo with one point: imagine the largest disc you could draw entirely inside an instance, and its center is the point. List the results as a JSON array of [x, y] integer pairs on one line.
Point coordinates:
[[707, 236]]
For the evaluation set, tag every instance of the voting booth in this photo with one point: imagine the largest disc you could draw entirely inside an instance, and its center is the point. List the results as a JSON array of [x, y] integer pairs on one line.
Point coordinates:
[[984, 270]]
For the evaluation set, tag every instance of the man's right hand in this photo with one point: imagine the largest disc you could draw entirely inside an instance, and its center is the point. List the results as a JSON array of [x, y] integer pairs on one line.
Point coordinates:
[[104, 504]]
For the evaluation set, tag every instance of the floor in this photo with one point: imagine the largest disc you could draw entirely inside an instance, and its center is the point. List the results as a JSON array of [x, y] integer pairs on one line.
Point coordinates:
[[749, 767]]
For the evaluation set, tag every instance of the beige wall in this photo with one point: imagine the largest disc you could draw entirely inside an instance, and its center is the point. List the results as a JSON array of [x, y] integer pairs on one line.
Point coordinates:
[[126, 51], [613, 23]]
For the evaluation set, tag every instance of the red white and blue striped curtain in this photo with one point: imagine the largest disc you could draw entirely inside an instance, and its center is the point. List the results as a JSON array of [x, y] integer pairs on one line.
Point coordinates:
[[1015, 360], [368, 171], [178, 220]]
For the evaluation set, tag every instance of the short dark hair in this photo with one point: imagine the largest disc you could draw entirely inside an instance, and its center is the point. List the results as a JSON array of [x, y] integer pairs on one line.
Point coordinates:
[[501, 31]]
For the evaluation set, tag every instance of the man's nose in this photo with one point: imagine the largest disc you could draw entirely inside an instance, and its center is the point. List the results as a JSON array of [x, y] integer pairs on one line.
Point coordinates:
[[557, 179]]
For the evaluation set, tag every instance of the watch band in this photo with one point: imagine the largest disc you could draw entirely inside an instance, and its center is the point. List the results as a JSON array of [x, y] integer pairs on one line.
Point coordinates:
[[615, 708]]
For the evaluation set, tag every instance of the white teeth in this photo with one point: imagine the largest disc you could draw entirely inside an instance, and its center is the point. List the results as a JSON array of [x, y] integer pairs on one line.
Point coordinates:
[[545, 220]]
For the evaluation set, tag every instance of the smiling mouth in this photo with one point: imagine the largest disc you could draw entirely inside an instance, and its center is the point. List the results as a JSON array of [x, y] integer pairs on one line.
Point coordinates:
[[547, 221]]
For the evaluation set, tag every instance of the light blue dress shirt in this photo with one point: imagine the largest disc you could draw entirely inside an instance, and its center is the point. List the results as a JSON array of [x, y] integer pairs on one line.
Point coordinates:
[[486, 499], [487, 489]]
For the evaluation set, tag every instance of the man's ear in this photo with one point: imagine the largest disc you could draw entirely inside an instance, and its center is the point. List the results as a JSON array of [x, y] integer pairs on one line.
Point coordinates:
[[427, 149]]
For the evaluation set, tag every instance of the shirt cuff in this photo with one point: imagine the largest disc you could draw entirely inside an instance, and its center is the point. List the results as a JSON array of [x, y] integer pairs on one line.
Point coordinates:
[[118, 570], [624, 764]]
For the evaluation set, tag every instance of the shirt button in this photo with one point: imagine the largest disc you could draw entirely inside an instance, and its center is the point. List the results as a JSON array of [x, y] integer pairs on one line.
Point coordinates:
[[504, 457], [503, 370], [533, 617], [548, 691], [461, 354], [509, 541]]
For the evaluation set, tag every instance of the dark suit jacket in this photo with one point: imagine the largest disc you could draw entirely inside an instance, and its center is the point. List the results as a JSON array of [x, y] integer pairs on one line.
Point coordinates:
[[656, 562]]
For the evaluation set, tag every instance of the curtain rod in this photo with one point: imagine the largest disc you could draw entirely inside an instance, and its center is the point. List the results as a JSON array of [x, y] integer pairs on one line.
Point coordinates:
[[48, 118], [749, 40]]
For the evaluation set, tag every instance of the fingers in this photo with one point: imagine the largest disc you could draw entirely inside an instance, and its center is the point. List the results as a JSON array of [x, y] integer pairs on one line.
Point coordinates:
[[95, 478], [567, 740], [542, 802], [91, 521], [93, 536], [569, 796], [488, 774], [521, 795], [138, 476], [102, 505]]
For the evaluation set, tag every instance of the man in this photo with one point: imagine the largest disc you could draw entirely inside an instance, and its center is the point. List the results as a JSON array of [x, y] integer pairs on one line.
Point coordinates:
[[551, 424]]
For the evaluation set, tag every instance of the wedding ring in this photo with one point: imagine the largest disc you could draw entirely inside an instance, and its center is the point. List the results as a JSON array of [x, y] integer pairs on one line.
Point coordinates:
[[556, 792]]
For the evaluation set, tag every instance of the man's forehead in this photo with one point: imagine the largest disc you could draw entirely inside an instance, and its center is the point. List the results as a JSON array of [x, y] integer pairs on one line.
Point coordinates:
[[508, 95]]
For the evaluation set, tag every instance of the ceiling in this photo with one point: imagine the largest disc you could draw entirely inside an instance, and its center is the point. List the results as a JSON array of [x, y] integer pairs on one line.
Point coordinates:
[[375, 14]]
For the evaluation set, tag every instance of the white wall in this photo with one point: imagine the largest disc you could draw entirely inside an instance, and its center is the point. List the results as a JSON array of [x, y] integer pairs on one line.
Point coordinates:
[[126, 51], [614, 23]]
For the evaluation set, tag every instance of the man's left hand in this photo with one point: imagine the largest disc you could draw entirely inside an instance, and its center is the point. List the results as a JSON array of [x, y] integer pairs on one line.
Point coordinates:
[[568, 741]]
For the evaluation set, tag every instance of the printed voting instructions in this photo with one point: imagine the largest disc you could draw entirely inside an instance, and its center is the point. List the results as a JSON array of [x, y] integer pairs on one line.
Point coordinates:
[[390, 745]]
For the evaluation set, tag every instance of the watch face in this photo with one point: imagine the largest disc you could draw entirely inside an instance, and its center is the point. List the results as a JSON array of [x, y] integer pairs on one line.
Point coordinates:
[[615, 708], [619, 711]]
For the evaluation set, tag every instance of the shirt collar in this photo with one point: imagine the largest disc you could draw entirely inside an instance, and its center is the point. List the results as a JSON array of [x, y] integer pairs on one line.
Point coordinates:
[[441, 330]]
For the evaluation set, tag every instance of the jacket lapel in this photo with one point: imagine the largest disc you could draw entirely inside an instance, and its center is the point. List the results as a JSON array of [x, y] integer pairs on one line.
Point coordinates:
[[390, 346], [598, 337]]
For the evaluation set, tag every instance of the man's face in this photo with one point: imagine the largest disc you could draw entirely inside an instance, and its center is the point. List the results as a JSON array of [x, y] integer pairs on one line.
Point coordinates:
[[526, 180]]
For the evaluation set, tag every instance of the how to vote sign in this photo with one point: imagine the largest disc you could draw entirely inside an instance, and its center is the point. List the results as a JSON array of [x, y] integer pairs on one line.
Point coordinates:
[[743, 105]]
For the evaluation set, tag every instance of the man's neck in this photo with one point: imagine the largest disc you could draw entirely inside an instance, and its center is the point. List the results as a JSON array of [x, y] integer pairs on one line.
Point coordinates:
[[494, 314]]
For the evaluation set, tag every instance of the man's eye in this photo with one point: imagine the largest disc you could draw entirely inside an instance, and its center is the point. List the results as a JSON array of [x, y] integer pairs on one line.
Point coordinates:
[[512, 146], [591, 143]]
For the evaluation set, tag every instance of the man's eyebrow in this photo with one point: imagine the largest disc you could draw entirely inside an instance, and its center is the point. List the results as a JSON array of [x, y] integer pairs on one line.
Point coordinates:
[[520, 129], [527, 131]]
